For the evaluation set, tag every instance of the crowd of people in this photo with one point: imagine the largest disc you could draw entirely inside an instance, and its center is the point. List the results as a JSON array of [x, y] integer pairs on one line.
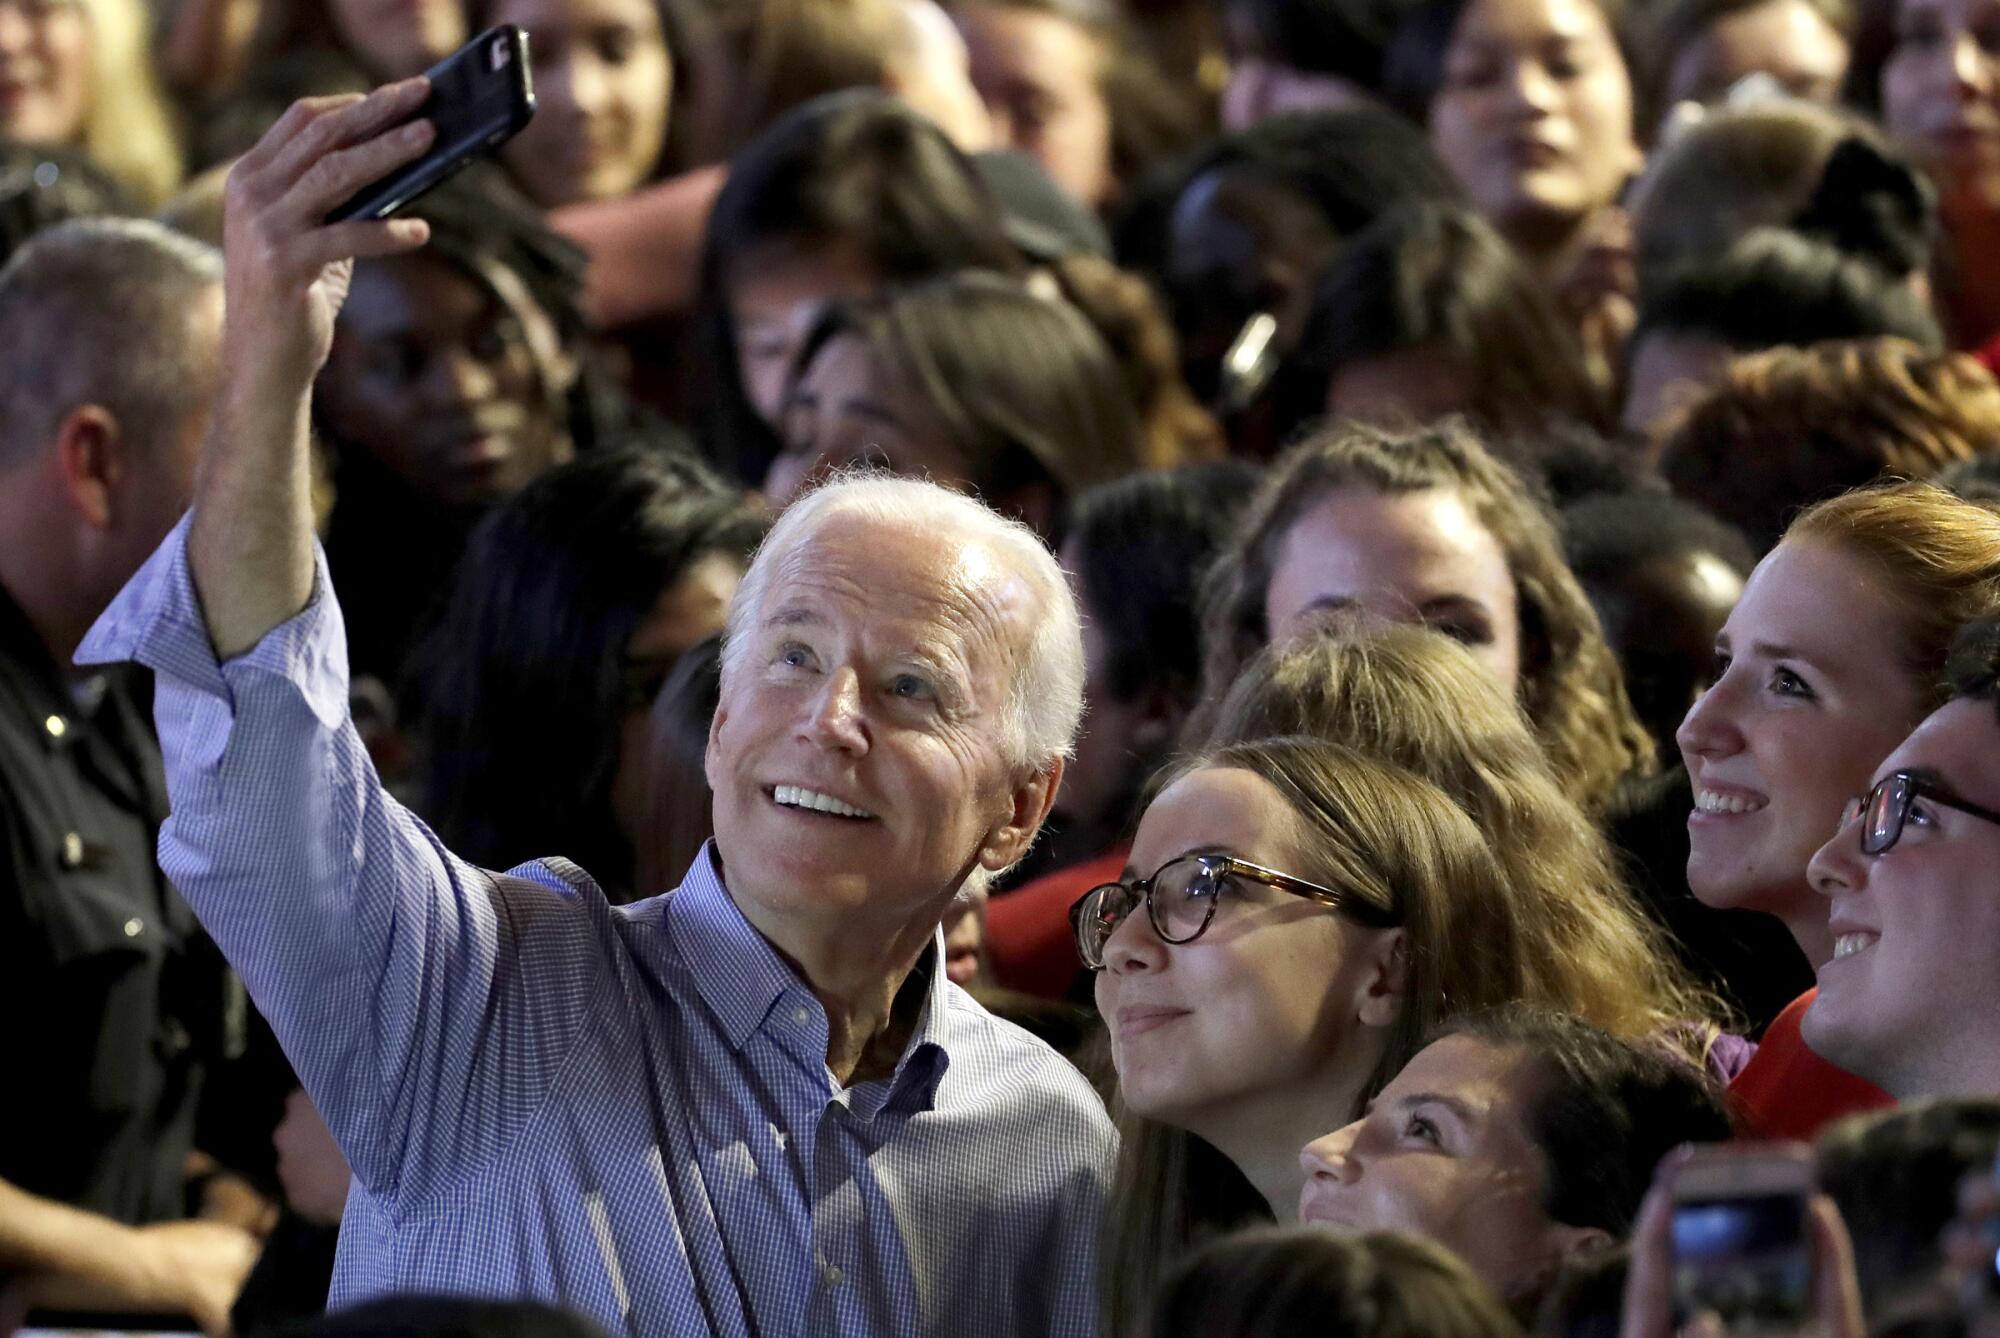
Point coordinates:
[[1089, 667]]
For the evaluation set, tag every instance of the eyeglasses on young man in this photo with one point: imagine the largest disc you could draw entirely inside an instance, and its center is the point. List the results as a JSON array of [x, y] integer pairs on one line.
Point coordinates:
[[1884, 810]]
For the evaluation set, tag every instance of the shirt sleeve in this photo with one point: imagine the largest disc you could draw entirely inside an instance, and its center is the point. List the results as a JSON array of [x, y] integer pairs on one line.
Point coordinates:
[[389, 968], [1076, 1231]]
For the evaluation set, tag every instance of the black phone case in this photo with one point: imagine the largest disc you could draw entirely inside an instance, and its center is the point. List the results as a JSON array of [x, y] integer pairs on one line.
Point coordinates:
[[481, 96]]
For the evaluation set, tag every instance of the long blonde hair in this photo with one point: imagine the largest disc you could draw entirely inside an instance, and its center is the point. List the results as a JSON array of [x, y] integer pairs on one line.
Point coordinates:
[[1379, 833], [129, 130], [1571, 687], [1420, 701]]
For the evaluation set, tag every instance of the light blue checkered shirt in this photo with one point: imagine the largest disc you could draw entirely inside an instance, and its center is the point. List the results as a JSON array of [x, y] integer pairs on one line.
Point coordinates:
[[624, 1110]]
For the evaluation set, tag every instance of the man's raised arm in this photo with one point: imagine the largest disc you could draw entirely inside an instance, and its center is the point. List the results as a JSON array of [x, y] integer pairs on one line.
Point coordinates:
[[250, 541], [377, 956]]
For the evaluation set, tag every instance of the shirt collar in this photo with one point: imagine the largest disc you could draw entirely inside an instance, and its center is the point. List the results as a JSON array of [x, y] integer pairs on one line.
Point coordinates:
[[741, 978], [927, 1055]]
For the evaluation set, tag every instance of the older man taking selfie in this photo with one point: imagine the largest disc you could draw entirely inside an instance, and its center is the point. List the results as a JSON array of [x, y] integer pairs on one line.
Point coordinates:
[[752, 1105]]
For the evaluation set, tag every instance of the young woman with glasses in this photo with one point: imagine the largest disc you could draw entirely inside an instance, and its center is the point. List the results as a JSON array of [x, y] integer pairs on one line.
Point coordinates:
[[1422, 702], [1295, 916], [1835, 653]]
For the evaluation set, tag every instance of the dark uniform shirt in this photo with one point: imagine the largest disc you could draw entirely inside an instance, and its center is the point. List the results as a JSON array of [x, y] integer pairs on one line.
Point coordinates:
[[111, 999]]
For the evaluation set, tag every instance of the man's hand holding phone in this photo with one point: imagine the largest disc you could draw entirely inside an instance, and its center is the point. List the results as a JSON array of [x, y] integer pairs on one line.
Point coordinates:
[[288, 269], [286, 273]]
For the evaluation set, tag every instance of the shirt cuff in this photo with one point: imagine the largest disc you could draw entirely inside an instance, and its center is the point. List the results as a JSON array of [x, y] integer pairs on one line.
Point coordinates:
[[157, 621]]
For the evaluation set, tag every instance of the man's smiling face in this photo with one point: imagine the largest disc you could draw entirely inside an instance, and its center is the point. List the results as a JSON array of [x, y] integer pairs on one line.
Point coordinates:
[[865, 756], [1914, 984]]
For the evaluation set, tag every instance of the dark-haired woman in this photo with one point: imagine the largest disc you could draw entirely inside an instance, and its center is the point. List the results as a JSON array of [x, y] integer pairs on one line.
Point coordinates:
[[458, 375], [1252, 221], [1530, 103], [1430, 313], [1067, 82], [1941, 97], [841, 197], [604, 83], [1520, 1138], [972, 381], [570, 610]]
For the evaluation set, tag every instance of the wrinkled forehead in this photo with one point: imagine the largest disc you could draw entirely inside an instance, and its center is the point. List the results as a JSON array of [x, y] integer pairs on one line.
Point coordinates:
[[903, 576]]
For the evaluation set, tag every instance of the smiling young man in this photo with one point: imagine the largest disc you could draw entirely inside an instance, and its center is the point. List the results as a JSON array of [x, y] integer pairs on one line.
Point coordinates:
[[753, 1105], [1911, 998]]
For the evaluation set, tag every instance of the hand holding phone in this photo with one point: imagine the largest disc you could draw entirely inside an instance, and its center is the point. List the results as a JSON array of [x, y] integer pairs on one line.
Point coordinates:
[[481, 96], [1739, 1238], [1734, 1238], [1971, 1242]]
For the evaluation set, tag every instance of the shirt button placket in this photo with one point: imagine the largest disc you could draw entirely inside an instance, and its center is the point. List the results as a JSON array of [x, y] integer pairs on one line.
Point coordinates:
[[830, 1222]]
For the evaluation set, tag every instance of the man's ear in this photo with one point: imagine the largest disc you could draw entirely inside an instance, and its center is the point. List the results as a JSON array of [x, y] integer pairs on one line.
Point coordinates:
[[1385, 986], [1028, 807], [90, 455], [711, 756]]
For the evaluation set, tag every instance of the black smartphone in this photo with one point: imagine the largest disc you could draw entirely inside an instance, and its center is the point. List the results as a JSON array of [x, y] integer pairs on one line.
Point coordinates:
[[481, 96]]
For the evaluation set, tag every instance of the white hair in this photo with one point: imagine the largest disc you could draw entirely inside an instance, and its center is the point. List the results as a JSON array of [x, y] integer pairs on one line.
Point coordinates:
[[1045, 700]]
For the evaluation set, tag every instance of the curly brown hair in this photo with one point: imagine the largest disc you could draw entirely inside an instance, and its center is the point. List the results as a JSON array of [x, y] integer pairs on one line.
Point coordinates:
[[1570, 686], [1790, 426]]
